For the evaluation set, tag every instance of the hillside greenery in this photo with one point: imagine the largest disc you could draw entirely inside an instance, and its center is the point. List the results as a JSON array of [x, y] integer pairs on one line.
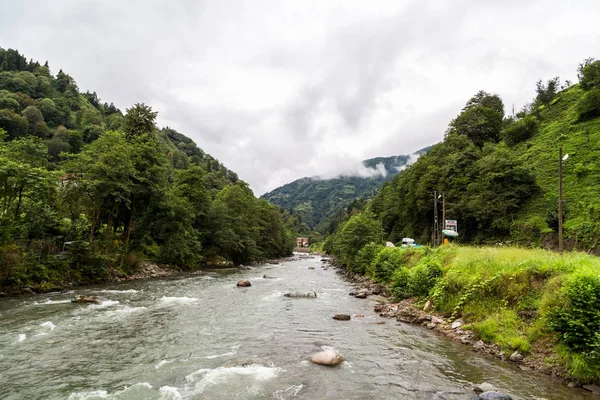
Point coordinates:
[[499, 177], [87, 191]]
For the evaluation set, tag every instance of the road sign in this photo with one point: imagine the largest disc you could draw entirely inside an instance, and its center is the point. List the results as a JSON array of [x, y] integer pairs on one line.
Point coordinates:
[[451, 225]]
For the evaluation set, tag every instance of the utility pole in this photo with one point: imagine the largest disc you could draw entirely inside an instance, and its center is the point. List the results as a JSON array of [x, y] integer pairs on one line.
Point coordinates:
[[435, 219], [443, 212], [560, 200]]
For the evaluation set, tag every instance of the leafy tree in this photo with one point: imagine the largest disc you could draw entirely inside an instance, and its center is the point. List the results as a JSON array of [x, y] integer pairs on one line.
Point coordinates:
[[356, 233], [480, 120], [547, 92], [139, 120]]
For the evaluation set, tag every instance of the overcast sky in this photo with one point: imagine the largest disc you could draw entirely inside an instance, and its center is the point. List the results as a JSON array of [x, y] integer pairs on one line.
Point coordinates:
[[278, 90]]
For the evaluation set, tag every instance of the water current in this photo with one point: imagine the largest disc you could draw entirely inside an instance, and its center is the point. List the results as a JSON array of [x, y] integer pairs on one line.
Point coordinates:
[[201, 337]]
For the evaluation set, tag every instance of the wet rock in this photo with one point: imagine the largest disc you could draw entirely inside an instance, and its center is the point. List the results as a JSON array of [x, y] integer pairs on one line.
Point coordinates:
[[342, 317], [502, 355], [379, 322], [359, 316], [492, 395], [311, 267], [428, 306], [431, 325], [571, 384], [379, 307], [296, 295], [516, 357], [593, 388], [327, 357], [268, 277], [479, 346], [484, 387], [244, 283], [361, 295], [428, 317], [456, 324], [525, 368], [86, 299]]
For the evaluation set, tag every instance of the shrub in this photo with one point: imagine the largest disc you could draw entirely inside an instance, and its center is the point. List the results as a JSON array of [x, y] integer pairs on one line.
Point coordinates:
[[590, 75], [424, 276], [387, 261], [11, 262], [365, 257], [589, 104], [577, 317], [520, 130], [400, 283]]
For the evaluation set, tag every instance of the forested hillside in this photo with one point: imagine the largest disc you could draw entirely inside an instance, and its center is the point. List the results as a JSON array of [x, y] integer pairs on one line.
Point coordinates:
[[499, 173], [87, 191], [314, 200]]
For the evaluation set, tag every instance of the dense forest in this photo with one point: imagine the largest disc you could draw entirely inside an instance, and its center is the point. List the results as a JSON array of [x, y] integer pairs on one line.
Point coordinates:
[[315, 202], [87, 191]]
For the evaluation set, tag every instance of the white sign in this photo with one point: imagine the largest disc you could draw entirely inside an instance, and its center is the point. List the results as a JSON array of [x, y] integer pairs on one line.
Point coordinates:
[[451, 225]]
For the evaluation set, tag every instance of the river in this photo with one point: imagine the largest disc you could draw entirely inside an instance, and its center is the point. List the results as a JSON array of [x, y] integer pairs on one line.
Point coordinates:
[[201, 337]]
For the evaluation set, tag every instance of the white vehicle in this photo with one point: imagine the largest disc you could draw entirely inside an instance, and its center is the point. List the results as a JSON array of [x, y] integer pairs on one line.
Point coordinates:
[[408, 242]]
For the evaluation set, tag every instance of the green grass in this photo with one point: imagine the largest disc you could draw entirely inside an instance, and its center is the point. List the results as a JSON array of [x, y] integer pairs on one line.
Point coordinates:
[[509, 296]]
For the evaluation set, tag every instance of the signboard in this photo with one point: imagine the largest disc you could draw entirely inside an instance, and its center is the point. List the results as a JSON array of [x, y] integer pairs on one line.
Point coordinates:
[[451, 225]]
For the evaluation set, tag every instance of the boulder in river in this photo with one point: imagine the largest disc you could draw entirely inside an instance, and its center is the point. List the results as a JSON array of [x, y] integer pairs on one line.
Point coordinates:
[[244, 283], [268, 277], [492, 395], [311, 267], [86, 299], [327, 357], [361, 295], [516, 357], [342, 317], [484, 387], [297, 295]]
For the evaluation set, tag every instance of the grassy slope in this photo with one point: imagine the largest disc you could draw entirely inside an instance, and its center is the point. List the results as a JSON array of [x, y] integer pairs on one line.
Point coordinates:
[[506, 295], [581, 140]]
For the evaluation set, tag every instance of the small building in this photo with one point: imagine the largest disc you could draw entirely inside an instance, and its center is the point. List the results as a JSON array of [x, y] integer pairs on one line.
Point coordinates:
[[302, 242]]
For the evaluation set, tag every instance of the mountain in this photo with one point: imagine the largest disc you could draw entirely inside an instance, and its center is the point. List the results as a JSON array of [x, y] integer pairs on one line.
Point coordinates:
[[313, 200]]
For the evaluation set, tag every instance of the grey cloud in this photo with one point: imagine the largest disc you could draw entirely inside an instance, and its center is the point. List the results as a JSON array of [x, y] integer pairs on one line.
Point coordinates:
[[279, 90]]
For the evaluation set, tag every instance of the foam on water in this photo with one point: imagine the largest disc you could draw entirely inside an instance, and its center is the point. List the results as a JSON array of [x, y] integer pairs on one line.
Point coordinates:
[[93, 395], [125, 310], [106, 303], [180, 300], [207, 277], [47, 302], [22, 337], [170, 393], [231, 353], [292, 391], [162, 362], [119, 291], [204, 378], [48, 324]]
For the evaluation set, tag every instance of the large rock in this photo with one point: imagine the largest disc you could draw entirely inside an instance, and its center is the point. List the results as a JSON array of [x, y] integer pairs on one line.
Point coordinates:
[[327, 357], [361, 295], [516, 357], [244, 283], [479, 346], [296, 295], [484, 387], [494, 396], [342, 317], [86, 299]]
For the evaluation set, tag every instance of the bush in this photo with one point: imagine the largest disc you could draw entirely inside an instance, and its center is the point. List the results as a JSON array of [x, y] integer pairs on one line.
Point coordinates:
[[590, 75], [577, 318], [385, 263], [589, 104], [520, 130], [11, 263], [400, 283], [424, 276], [365, 257]]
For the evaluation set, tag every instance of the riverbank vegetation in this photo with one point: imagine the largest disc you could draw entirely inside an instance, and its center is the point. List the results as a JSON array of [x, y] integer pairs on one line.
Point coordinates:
[[525, 300], [88, 192]]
